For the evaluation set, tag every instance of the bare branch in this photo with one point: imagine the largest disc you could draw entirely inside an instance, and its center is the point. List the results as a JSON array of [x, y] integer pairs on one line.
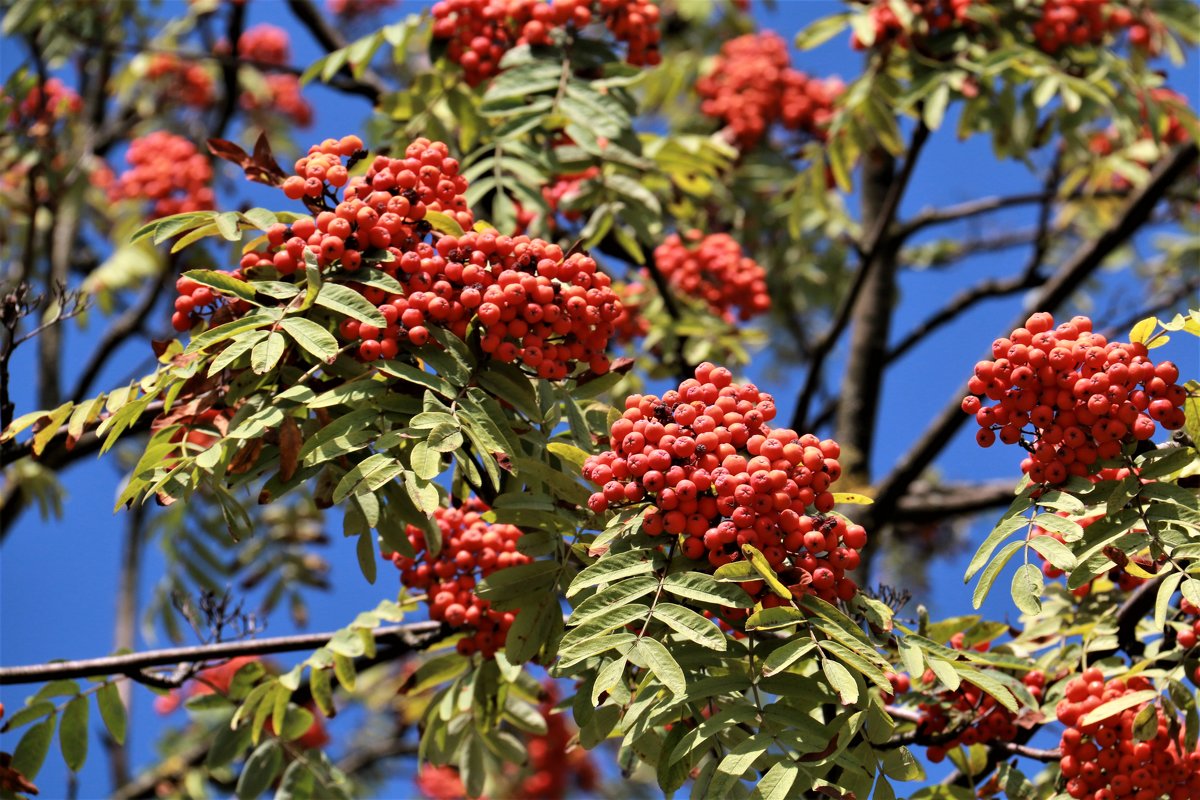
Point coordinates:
[[870, 248], [936, 503], [413, 636]]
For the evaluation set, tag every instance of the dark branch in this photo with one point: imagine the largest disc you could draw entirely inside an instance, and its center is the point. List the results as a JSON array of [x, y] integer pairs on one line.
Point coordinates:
[[413, 636], [870, 249], [370, 85]]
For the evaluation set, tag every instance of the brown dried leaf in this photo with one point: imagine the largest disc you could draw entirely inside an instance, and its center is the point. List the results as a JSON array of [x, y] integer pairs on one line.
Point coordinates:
[[247, 457], [289, 448]]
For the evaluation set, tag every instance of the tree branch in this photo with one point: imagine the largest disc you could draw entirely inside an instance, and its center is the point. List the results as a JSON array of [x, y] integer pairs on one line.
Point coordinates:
[[1053, 294], [936, 503], [870, 249], [370, 85], [413, 636]]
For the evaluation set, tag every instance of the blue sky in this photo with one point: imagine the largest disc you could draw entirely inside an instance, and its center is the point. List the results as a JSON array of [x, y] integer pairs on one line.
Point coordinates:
[[58, 577]]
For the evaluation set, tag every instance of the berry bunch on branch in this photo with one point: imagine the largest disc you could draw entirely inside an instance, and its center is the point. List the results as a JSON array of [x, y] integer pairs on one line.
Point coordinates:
[[400, 227], [477, 33], [1070, 397], [716, 474], [470, 550], [716, 270], [1133, 751], [168, 171], [753, 86]]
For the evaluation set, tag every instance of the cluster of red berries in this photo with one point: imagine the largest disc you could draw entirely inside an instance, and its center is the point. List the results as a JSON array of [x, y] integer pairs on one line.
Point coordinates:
[[479, 32], [1103, 760], [714, 472], [1188, 636], [472, 549], [1082, 397], [975, 715], [554, 762], [533, 303], [631, 324], [752, 86], [714, 269], [45, 104], [929, 18], [1075, 23], [270, 46], [283, 95], [185, 81], [266, 44], [357, 8], [167, 170]]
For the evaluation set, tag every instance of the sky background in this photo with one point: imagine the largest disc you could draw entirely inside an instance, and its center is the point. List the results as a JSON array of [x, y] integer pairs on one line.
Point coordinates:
[[58, 577]]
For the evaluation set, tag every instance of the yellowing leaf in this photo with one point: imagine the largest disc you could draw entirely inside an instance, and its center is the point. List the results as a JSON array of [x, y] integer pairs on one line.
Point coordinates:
[[1141, 332]]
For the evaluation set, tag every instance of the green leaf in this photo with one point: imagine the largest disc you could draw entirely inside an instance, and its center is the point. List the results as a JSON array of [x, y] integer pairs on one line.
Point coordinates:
[[112, 711], [535, 577], [312, 337], [227, 745], [372, 472], [1113, 707], [1054, 551], [1005, 529], [777, 783], [227, 225], [822, 30], [223, 282], [841, 680], [1071, 531], [366, 556], [612, 568], [690, 625], [261, 768], [783, 657], [31, 750], [34, 711], [350, 303], [993, 570], [1027, 586], [73, 733], [533, 626], [1162, 602], [654, 656], [444, 223], [777, 617], [296, 723], [900, 764], [701, 588], [425, 462], [266, 354], [444, 438]]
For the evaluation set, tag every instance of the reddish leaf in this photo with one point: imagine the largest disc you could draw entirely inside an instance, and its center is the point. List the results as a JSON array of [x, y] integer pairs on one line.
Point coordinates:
[[230, 151], [12, 780], [289, 448]]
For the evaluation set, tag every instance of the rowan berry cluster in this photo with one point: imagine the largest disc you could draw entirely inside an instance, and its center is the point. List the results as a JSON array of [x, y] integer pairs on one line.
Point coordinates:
[[753, 86], [44, 105], [472, 549], [186, 81], [282, 95], [533, 304], [554, 762], [712, 471], [1103, 759], [929, 17], [714, 269], [1070, 397], [167, 170], [196, 303], [970, 716], [478, 33], [266, 44], [1076, 23]]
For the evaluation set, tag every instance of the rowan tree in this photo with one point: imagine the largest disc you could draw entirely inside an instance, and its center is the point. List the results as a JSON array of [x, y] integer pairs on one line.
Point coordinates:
[[580, 338]]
